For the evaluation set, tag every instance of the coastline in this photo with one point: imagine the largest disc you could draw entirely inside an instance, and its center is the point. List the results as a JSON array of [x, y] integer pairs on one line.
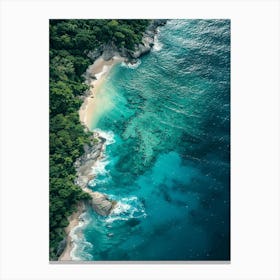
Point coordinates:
[[73, 223], [95, 76]]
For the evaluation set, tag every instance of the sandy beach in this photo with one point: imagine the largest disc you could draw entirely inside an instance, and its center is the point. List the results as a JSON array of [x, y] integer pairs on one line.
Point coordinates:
[[73, 222], [99, 70]]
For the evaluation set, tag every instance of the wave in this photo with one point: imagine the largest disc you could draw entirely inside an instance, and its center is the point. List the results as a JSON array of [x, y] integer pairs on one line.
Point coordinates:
[[100, 182], [157, 44], [79, 242], [131, 65], [127, 208], [99, 168], [109, 136], [100, 74]]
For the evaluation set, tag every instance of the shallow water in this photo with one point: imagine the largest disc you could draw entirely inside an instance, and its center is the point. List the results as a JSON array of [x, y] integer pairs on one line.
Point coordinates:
[[168, 155]]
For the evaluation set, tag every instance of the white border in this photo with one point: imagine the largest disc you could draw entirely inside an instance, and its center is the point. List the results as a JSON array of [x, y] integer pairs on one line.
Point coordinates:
[[255, 138]]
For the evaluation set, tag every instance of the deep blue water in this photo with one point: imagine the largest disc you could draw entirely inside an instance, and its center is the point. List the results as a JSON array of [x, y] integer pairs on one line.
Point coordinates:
[[168, 155]]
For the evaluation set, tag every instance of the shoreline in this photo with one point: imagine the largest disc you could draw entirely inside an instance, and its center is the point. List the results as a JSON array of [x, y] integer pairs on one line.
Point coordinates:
[[73, 223], [95, 76]]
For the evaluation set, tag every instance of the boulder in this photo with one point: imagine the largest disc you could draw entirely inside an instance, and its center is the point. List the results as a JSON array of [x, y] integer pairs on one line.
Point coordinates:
[[84, 163], [101, 203], [109, 51]]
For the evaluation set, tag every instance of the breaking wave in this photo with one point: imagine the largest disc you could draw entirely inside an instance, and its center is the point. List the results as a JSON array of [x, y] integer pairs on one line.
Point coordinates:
[[78, 240], [157, 44], [131, 65], [127, 208]]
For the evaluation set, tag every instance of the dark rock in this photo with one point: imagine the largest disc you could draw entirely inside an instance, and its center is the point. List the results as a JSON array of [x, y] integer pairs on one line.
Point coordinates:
[[109, 51], [102, 139], [133, 222], [93, 55], [61, 247], [159, 22]]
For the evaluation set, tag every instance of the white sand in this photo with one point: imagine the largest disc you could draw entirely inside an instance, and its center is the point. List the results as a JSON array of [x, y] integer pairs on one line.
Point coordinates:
[[100, 70]]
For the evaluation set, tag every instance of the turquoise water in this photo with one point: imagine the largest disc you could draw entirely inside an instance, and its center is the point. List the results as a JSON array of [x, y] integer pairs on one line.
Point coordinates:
[[167, 159]]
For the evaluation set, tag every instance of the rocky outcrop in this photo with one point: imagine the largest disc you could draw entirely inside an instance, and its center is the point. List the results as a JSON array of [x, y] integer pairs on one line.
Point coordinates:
[[109, 50], [145, 47], [93, 55], [148, 38], [101, 204], [85, 163]]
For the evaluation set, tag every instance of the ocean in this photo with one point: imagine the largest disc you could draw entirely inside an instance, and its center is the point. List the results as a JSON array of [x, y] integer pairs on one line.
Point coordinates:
[[167, 160]]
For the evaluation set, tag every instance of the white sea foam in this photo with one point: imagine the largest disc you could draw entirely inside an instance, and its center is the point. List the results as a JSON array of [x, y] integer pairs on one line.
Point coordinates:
[[99, 182], [126, 208], [100, 74], [131, 65], [157, 44], [78, 239], [99, 167], [108, 135]]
